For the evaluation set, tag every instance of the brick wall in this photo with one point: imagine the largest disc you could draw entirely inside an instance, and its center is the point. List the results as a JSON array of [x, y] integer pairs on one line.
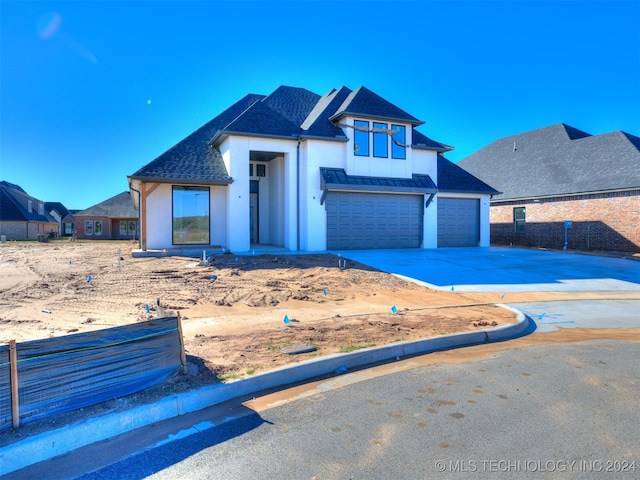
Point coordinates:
[[106, 228], [110, 229], [608, 222], [15, 230]]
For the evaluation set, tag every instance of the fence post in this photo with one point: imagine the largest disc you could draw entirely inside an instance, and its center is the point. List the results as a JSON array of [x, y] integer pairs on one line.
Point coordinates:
[[15, 399], [183, 355]]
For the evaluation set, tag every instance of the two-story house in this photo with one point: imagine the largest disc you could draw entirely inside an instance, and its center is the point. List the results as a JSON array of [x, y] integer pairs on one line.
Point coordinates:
[[293, 169], [23, 217]]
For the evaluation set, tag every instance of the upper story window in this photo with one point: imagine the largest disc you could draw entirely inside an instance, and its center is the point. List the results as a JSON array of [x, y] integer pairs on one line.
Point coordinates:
[[41, 208], [380, 140], [29, 206], [361, 138], [383, 139], [398, 141]]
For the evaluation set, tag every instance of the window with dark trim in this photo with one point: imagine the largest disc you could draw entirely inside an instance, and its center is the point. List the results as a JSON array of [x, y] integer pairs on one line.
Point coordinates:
[[191, 222], [380, 140], [519, 219], [361, 138], [398, 141]]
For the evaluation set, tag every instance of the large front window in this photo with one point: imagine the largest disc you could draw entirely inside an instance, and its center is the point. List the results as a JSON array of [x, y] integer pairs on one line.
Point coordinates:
[[191, 216]]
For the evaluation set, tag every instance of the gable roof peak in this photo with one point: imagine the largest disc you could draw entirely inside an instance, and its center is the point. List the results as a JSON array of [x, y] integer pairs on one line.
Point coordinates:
[[363, 102]]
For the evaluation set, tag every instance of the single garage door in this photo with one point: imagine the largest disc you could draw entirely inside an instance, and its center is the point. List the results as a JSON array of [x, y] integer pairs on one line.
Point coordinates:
[[368, 220], [458, 222]]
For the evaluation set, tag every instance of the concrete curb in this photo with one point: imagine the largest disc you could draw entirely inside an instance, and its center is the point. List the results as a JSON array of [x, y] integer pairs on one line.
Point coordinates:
[[66, 439]]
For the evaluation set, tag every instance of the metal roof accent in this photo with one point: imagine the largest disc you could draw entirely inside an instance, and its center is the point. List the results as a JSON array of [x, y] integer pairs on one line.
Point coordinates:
[[336, 179]]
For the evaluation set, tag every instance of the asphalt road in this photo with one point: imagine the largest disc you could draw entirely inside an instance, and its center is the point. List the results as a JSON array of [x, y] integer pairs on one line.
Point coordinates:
[[548, 411]]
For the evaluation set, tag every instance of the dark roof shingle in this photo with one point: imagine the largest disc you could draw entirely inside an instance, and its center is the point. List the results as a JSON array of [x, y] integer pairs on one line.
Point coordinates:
[[453, 178], [118, 206], [193, 157], [557, 160], [365, 103]]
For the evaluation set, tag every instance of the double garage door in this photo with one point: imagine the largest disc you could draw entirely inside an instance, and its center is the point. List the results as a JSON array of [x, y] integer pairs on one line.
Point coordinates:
[[458, 222], [370, 221], [367, 220]]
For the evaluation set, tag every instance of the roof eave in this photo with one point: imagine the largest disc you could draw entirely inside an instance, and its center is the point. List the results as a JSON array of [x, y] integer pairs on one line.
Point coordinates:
[[560, 195], [220, 136], [189, 181], [329, 139], [471, 192], [337, 116], [443, 148]]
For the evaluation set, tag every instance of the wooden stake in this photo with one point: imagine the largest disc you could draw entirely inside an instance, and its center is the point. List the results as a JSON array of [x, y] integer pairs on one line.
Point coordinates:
[[183, 355], [15, 399]]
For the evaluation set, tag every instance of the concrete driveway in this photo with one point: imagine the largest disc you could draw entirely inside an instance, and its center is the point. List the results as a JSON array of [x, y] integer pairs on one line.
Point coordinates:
[[607, 289]]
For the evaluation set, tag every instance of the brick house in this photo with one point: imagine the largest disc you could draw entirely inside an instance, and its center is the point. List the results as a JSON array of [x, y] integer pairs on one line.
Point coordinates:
[[23, 217], [65, 218], [113, 219], [563, 188]]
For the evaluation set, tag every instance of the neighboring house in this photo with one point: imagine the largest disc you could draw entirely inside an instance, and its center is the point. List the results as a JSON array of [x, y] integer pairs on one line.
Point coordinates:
[[557, 177], [347, 170], [23, 217], [113, 219], [64, 217]]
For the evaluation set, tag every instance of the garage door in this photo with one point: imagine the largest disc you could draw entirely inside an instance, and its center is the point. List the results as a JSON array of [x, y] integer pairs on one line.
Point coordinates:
[[458, 222], [366, 220]]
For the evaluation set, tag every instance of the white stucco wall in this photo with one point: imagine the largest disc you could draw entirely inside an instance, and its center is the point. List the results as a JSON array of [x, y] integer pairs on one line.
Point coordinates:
[[160, 213], [375, 166], [313, 216], [282, 189]]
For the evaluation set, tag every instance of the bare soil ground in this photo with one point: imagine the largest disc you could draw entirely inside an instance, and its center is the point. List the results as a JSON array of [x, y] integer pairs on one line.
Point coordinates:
[[232, 310]]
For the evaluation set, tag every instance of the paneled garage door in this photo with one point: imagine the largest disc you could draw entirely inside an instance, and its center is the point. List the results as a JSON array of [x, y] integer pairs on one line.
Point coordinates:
[[367, 220], [458, 222]]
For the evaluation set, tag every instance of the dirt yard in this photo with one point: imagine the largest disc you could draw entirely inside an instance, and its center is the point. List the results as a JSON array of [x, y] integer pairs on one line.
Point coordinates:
[[233, 310]]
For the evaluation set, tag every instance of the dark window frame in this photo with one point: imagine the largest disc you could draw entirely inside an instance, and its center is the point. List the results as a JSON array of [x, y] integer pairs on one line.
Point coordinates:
[[519, 220], [181, 233], [380, 141], [361, 149], [397, 151]]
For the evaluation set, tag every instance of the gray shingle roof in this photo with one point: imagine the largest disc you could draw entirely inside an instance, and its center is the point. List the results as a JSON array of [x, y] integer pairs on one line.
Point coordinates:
[[58, 207], [288, 112], [453, 178], [14, 203], [193, 158], [364, 103], [317, 123], [557, 160], [119, 206]]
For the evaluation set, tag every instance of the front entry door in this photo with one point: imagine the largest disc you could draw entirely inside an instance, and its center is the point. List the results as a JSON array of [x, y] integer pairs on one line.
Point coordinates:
[[253, 211]]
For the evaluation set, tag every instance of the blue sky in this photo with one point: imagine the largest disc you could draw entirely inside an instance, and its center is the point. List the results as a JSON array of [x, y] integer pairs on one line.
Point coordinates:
[[91, 91]]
